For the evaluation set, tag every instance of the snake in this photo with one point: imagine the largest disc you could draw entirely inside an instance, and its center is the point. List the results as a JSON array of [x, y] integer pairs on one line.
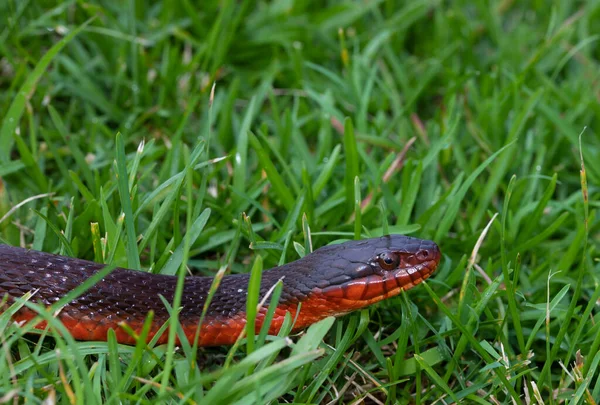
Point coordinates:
[[331, 281]]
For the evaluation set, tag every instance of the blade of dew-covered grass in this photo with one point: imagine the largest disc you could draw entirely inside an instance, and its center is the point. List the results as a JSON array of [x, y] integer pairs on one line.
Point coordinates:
[[309, 206], [136, 357], [308, 246], [327, 171], [241, 154], [187, 242], [39, 234], [510, 283], [291, 219], [532, 224], [276, 181], [194, 231], [410, 190], [97, 242], [580, 274], [68, 229], [211, 293], [351, 155], [357, 209], [398, 361], [274, 301], [59, 234], [279, 159], [384, 221], [85, 192], [133, 257], [439, 381], [182, 258], [252, 302]]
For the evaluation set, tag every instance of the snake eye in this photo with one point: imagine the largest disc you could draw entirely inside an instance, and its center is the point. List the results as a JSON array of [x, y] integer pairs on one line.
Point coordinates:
[[388, 260]]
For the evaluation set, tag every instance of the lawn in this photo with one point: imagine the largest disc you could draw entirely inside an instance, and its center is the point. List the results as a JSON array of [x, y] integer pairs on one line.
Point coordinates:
[[243, 134]]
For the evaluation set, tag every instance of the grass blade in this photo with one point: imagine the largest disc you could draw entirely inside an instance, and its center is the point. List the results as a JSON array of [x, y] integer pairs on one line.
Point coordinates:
[[15, 112]]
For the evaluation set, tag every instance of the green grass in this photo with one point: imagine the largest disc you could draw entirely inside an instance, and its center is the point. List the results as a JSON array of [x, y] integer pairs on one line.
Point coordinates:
[[113, 147]]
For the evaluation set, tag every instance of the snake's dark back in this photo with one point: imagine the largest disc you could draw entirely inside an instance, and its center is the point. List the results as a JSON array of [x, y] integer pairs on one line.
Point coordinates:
[[123, 293]]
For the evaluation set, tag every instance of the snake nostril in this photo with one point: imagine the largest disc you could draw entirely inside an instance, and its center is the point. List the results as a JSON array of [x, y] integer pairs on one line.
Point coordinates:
[[423, 254]]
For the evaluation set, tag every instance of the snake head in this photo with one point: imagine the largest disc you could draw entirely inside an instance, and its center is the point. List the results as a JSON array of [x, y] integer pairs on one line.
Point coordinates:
[[376, 269]]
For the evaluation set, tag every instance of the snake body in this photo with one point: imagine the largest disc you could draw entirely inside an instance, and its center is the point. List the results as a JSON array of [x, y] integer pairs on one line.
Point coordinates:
[[332, 281]]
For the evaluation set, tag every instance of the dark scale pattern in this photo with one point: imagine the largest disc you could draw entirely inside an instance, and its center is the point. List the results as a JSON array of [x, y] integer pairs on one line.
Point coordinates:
[[128, 295]]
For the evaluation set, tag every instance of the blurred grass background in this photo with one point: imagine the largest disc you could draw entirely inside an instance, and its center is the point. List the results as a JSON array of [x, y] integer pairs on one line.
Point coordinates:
[[268, 128]]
